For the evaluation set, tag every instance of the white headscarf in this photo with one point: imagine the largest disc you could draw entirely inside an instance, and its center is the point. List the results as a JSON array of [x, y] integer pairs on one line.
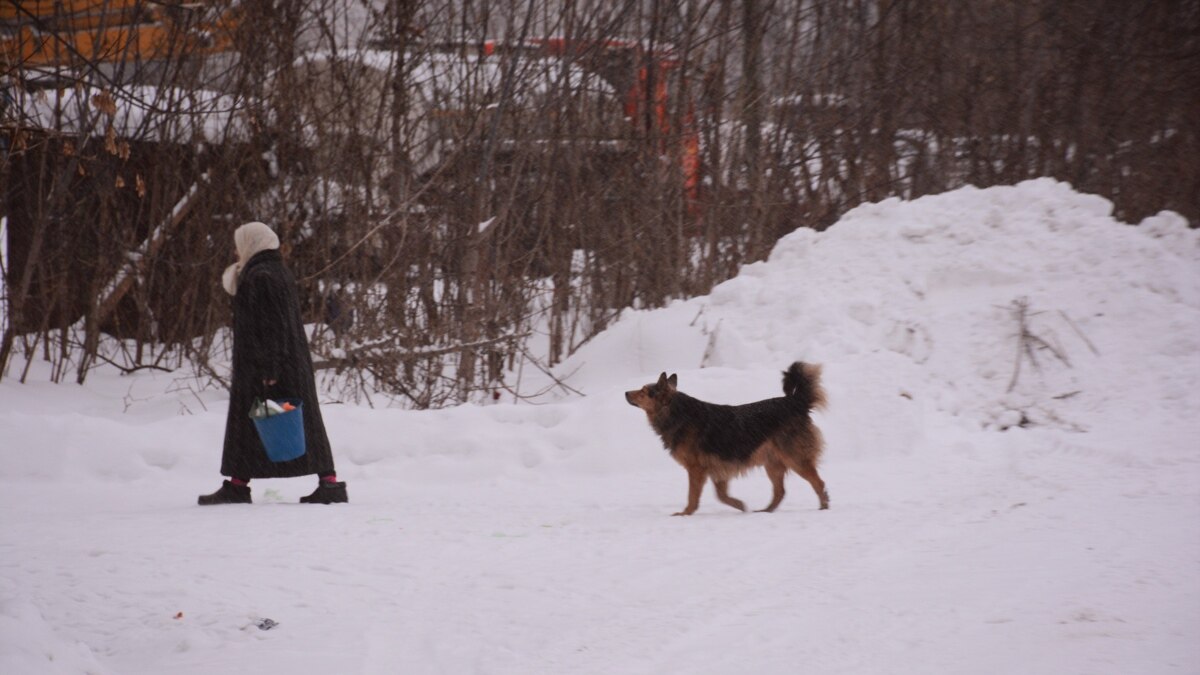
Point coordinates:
[[249, 239]]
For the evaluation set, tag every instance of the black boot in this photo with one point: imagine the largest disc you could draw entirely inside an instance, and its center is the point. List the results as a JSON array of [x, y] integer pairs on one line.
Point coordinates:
[[327, 492], [228, 494]]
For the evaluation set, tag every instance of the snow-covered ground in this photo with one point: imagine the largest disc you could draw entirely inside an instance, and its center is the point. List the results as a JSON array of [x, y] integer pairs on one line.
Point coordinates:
[[1053, 528]]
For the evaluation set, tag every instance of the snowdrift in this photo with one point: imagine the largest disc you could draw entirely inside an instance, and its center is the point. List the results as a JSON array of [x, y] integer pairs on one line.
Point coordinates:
[[914, 301]]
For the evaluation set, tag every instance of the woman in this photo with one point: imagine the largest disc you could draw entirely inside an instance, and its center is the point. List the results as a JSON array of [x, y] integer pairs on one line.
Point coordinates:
[[270, 360]]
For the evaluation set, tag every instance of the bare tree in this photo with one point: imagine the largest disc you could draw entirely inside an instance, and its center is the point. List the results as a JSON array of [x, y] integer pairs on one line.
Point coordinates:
[[469, 187]]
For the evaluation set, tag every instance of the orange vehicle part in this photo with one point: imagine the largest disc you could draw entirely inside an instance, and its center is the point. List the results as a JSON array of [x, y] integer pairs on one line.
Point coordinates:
[[69, 32]]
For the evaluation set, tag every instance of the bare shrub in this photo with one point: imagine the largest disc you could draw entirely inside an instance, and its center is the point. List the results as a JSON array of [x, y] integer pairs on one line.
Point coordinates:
[[466, 189]]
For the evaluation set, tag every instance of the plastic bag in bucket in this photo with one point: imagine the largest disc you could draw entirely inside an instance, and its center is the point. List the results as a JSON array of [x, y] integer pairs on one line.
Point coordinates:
[[282, 434]]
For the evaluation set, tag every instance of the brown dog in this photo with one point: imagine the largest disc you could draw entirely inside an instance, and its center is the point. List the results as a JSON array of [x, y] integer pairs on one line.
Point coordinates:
[[724, 441]]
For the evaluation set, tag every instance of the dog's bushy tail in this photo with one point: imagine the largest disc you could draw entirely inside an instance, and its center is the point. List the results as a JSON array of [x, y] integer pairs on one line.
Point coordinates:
[[802, 381]]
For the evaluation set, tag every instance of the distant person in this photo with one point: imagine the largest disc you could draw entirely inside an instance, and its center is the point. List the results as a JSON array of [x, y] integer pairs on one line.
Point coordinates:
[[270, 360]]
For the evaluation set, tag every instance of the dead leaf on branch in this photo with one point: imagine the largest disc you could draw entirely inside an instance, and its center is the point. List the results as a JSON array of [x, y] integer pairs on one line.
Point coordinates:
[[110, 140], [105, 103]]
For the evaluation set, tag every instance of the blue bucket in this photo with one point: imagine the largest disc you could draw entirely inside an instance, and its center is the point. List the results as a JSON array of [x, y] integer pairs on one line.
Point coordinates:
[[282, 435]]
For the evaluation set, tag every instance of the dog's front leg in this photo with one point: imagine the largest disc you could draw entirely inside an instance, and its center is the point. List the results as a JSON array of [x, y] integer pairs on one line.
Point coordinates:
[[696, 478]]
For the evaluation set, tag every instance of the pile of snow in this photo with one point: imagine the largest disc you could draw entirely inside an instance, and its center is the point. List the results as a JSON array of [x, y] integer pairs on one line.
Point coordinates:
[[916, 300], [973, 528]]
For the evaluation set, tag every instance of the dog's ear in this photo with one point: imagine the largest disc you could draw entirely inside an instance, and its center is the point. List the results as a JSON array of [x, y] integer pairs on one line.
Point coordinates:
[[662, 380], [673, 380]]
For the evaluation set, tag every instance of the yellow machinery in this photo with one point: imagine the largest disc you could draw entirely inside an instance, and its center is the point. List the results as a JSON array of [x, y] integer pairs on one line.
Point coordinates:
[[68, 33]]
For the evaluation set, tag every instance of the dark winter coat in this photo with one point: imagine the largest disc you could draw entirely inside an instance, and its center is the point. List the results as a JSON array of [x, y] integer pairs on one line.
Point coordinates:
[[269, 343]]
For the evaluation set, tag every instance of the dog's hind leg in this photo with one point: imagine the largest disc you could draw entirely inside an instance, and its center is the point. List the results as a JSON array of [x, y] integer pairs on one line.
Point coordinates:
[[776, 471], [696, 478], [808, 472], [723, 494]]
